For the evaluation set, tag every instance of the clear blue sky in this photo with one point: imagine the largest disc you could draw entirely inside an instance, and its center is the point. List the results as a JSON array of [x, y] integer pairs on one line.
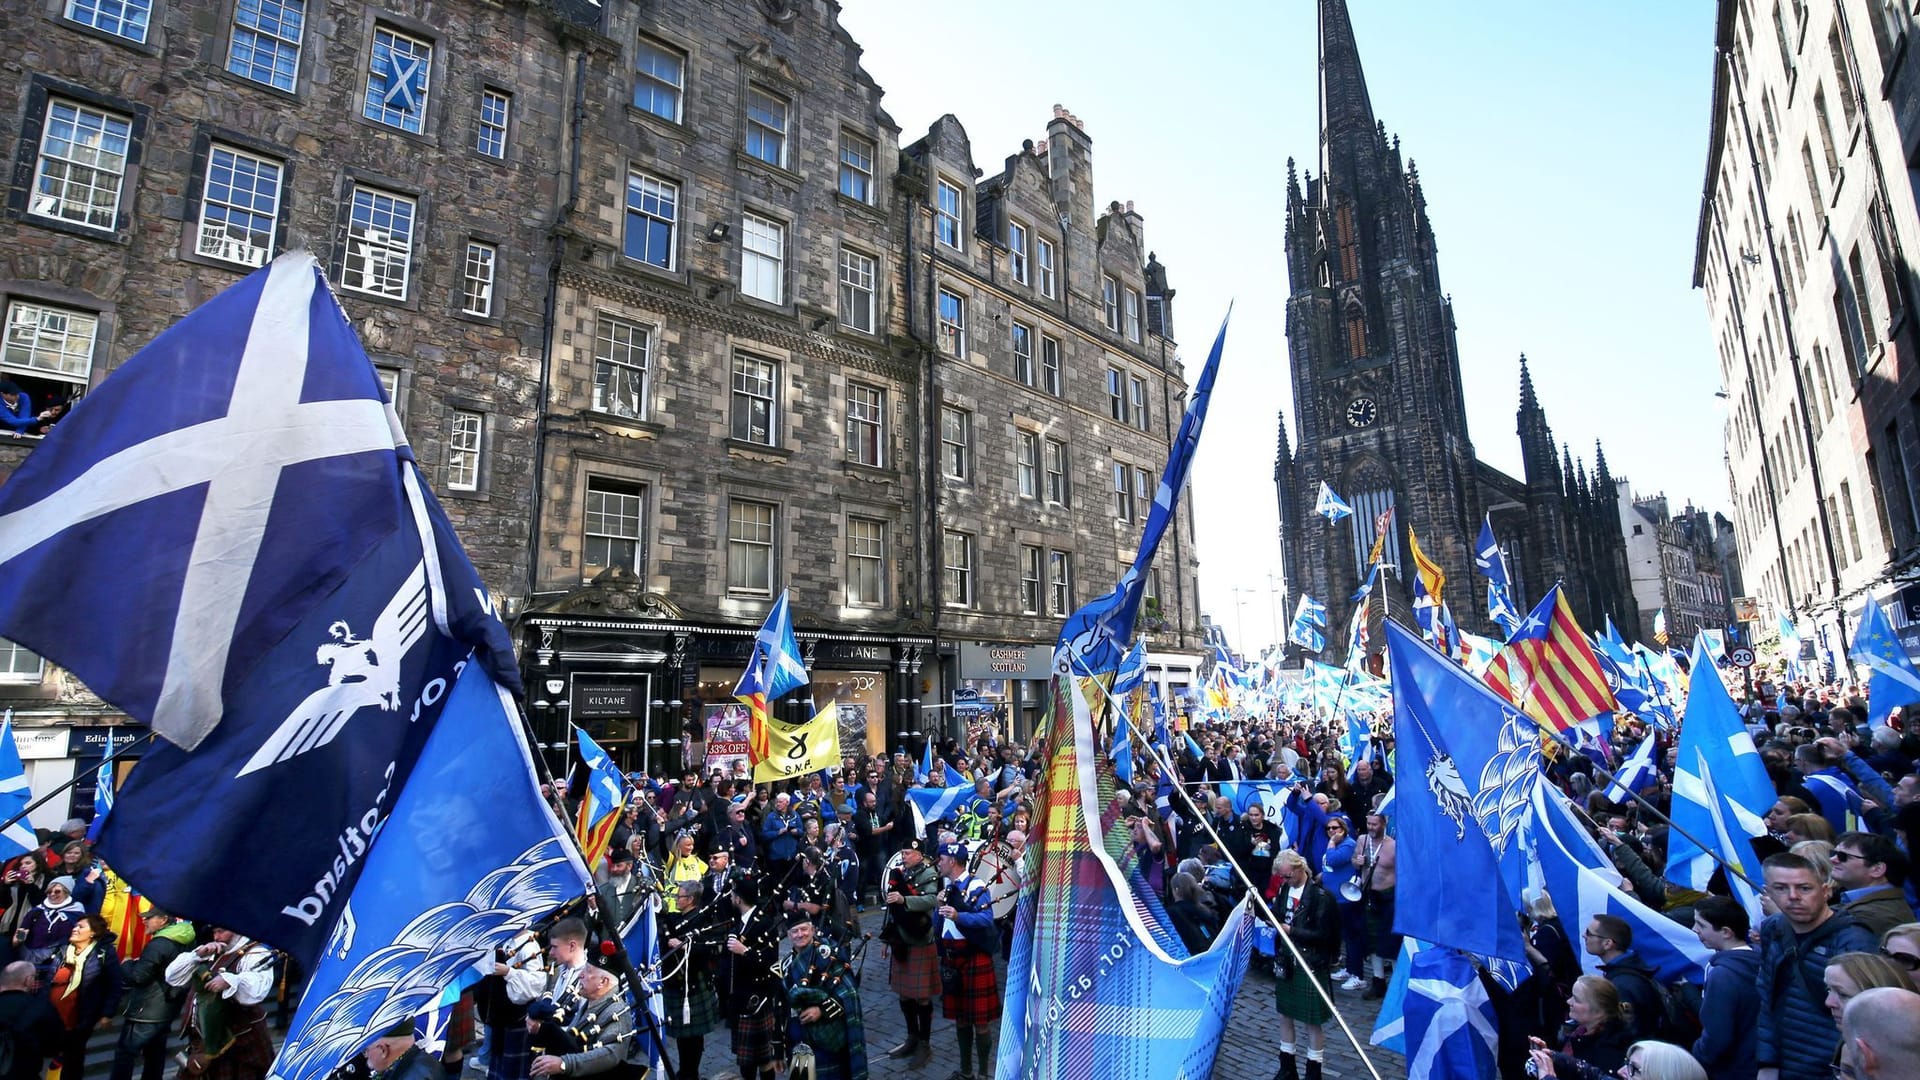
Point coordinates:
[[1561, 149]]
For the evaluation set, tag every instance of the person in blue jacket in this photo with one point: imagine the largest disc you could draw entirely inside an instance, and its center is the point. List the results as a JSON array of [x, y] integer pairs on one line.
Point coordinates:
[[1731, 998], [16, 408], [1336, 869]]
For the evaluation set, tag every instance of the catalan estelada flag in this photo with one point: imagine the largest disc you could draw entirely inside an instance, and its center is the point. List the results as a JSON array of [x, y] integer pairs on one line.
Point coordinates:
[[600, 802], [123, 908], [774, 669], [1548, 668]]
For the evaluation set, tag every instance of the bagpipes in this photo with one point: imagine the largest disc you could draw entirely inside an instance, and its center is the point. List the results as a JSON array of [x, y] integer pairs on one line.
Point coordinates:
[[555, 1015], [894, 927]]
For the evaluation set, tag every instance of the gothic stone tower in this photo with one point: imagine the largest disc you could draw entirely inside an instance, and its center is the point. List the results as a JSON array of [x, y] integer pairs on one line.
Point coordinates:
[[1378, 410]]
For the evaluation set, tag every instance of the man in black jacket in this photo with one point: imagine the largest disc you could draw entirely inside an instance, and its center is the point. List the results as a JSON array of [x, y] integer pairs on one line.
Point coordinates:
[[151, 1004], [1610, 938], [1731, 998], [35, 1028]]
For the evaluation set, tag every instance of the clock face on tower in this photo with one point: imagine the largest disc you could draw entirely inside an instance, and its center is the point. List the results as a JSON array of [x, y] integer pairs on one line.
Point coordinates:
[[1362, 412]]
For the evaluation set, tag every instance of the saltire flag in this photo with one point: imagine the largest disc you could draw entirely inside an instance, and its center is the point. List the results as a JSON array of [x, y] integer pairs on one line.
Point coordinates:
[[1271, 795], [601, 800], [103, 785], [1390, 1024], [1429, 584], [470, 857], [1449, 1020], [1549, 668], [1662, 673], [1077, 1007], [1721, 790], [1715, 644], [1192, 747], [1637, 774], [924, 772], [1611, 632], [937, 804], [1627, 680], [1584, 883], [1492, 564], [773, 671], [1331, 506], [18, 838], [1790, 647], [641, 939], [406, 81], [1660, 627], [1478, 652], [1466, 762], [1309, 619], [1892, 680], [1358, 632], [1130, 695], [1382, 525], [798, 749], [295, 651], [1122, 752]]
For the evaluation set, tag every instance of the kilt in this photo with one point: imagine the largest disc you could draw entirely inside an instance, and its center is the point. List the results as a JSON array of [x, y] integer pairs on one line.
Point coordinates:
[[1295, 997], [969, 989], [914, 972], [509, 1051], [757, 1042], [699, 1005], [1381, 940]]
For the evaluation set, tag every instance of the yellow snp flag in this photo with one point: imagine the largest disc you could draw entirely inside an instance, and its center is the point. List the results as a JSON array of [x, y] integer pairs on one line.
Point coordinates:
[[798, 749]]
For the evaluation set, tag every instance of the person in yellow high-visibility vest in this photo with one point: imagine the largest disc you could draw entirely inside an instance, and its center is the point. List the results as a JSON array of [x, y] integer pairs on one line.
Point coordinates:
[[122, 907]]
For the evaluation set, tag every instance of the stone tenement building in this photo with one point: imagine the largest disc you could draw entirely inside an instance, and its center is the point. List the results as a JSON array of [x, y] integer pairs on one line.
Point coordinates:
[[1379, 412], [1808, 219], [1676, 566], [649, 283]]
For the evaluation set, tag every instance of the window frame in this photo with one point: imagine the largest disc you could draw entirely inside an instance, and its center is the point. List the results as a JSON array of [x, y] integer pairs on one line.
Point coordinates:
[[43, 308], [12, 651], [1123, 504], [949, 225], [1026, 464], [1056, 467], [41, 157], [1110, 302], [623, 489], [678, 90], [850, 291], [1137, 401], [406, 264], [663, 192], [466, 449], [748, 396], [489, 285], [1117, 395], [866, 424], [758, 267], [1130, 312], [1059, 582], [872, 563], [956, 444], [375, 107], [1044, 258], [214, 149], [781, 108], [70, 8], [1023, 367], [1052, 380], [256, 33], [952, 326], [604, 343], [852, 172], [483, 123], [770, 545], [1017, 237], [1033, 569], [957, 577]]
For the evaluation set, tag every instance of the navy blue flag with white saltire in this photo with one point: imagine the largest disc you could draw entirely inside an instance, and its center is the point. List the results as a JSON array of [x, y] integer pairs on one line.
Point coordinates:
[[288, 606], [1492, 564], [1331, 506], [1309, 619], [471, 857], [641, 938], [18, 838]]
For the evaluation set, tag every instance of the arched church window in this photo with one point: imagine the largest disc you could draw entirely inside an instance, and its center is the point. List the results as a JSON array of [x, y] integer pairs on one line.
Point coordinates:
[[1356, 333], [1349, 243]]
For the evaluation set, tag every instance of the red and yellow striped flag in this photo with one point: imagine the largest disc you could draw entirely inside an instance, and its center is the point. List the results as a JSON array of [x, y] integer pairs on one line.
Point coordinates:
[[1549, 669]]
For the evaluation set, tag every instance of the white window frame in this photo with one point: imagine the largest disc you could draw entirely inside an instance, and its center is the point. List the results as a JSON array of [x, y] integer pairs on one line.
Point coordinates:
[[366, 244], [490, 131], [956, 443], [262, 28], [866, 557], [1017, 251], [622, 350], [465, 445], [10, 664], [1117, 394], [676, 89], [1143, 488], [1052, 380], [745, 537], [1043, 254], [857, 156], [216, 239], [110, 17], [763, 258], [859, 280], [387, 41], [1023, 370], [1059, 582], [956, 550], [1059, 491], [478, 275], [78, 165], [1110, 301], [1123, 507], [611, 521], [866, 424], [756, 381], [1026, 464], [1137, 401], [1130, 301], [772, 129], [949, 222], [652, 200], [1033, 568], [953, 323], [35, 329]]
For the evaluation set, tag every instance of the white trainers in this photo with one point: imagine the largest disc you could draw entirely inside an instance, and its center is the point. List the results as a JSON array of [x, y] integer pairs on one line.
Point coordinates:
[[1353, 982]]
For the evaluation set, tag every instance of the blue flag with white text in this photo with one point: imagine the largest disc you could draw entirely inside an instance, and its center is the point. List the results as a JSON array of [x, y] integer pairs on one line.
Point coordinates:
[[294, 651], [471, 856]]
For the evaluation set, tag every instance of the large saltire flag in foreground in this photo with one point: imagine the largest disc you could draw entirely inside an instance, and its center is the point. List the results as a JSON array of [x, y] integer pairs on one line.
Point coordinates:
[[288, 606], [600, 803], [774, 670], [471, 857], [1893, 682], [1098, 985]]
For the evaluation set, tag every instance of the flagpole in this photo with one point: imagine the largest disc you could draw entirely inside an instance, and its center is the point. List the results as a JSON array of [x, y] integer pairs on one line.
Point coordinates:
[[1658, 816], [79, 775], [1266, 912]]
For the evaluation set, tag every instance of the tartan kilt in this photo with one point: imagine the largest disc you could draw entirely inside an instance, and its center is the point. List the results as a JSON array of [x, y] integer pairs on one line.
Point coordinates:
[[249, 1058], [914, 972], [700, 1007], [509, 1051], [1295, 997], [756, 1041], [1381, 940], [969, 990]]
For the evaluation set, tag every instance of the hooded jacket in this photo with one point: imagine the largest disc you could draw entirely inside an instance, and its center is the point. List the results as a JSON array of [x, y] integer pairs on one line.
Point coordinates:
[[1796, 1032], [1639, 987], [1728, 1005], [148, 1000]]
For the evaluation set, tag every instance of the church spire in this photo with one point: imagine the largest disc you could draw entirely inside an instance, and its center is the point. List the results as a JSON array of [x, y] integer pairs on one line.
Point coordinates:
[[1346, 114], [1528, 402]]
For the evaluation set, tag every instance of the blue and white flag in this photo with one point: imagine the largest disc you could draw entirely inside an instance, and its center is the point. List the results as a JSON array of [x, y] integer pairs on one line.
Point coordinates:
[[103, 785], [1721, 790], [1583, 883], [1790, 648], [1331, 506], [925, 769], [1309, 619], [470, 857], [937, 804], [1467, 760], [406, 81], [288, 606], [1451, 1030], [1122, 749], [641, 938], [17, 838], [1715, 644], [1892, 680], [1637, 774], [1502, 607]]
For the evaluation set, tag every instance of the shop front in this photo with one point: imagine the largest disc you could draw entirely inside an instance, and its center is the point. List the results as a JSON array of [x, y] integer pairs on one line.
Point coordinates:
[[64, 753], [1006, 684]]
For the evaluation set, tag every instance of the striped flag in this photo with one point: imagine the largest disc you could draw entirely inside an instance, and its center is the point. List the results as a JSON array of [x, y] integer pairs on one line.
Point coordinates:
[[600, 801], [1549, 668]]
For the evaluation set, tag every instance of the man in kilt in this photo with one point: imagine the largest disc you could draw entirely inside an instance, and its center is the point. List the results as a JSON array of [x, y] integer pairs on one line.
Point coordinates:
[[751, 977], [969, 938], [1310, 919], [689, 949], [912, 891], [224, 1020], [823, 1006]]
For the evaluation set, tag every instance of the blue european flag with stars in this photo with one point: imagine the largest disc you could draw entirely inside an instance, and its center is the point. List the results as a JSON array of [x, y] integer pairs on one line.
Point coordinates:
[[1892, 681]]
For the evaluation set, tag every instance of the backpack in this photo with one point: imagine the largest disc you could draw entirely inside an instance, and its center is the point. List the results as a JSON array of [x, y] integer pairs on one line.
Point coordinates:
[[1679, 1013]]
